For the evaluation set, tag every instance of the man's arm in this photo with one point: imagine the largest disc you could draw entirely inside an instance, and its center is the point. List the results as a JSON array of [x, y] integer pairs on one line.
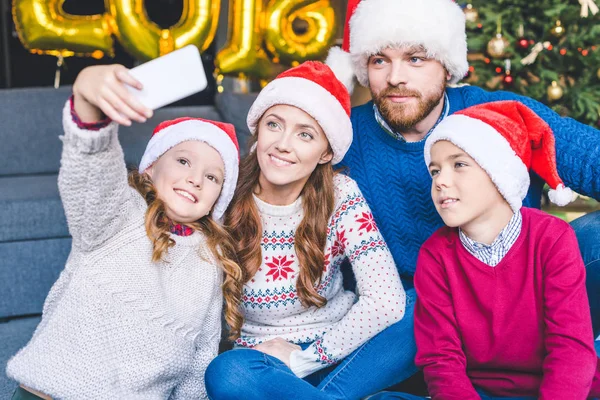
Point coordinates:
[[577, 144]]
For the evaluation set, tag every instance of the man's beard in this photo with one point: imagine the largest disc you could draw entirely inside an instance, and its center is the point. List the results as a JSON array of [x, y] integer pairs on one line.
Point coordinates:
[[403, 117]]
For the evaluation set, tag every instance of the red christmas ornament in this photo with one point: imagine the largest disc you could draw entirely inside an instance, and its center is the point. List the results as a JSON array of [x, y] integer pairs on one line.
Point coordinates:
[[508, 79], [523, 43]]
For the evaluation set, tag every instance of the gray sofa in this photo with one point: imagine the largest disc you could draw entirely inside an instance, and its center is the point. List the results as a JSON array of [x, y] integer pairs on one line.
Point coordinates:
[[34, 238]]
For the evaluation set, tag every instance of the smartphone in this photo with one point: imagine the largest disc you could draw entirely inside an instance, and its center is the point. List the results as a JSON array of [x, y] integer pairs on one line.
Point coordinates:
[[169, 78]]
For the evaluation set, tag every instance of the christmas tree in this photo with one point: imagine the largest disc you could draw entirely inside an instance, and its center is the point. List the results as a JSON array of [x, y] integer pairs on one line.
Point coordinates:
[[545, 49]]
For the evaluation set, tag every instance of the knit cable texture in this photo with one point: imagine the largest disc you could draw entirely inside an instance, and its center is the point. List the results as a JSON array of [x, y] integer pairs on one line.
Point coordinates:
[[396, 183], [115, 325]]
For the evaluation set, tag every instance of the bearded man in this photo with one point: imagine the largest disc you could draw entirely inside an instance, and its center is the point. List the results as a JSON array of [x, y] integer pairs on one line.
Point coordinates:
[[410, 54]]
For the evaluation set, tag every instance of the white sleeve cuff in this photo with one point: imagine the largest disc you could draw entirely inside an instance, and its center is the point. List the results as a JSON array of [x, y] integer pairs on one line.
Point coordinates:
[[304, 362]]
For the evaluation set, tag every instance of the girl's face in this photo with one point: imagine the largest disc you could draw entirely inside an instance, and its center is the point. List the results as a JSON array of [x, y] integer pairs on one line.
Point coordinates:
[[188, 179], [290, 145], [461, 190]]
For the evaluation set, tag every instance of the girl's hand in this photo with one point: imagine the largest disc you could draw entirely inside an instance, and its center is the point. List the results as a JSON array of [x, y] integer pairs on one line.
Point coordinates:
[[100, 90], [278, 348]]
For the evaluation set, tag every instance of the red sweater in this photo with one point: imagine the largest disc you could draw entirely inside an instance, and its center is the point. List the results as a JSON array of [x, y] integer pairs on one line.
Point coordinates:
[[522, 328]]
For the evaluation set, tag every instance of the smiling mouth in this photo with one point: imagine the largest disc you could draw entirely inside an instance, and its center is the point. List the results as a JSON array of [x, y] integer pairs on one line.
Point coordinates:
[[448, 202], [280, 162], [186, 195]]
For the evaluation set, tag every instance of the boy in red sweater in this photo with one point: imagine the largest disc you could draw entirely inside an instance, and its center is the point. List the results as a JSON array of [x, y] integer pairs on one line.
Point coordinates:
[[502, 309]]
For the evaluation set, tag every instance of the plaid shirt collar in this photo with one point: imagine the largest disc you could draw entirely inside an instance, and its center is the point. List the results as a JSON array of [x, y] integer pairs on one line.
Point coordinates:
[[397, 135], [495, 252]]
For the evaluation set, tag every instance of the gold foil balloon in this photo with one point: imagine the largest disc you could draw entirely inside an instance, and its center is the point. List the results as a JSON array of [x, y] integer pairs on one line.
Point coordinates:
[[243, 54], [555, 92], [498, 46], [44, 28], [299, 30], [145, 40]]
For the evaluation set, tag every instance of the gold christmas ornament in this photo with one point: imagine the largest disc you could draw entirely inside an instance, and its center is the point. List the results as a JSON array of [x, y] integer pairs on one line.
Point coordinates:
[[555, 92], [598, 73], [471, 13], [498, 46], [558, 30]]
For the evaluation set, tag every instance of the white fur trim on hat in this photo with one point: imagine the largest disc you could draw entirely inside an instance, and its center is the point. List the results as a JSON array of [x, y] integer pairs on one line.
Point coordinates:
[[205, 132], [490, 150], [437, 25], [340, 63], [314, 100]]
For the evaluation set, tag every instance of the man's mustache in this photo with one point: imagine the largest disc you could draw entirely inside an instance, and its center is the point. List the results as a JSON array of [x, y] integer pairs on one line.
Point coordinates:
[[401, 92]]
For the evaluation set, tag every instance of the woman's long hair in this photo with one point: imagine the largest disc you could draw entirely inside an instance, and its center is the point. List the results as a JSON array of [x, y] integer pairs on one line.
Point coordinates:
[[219, 242], [242, 220]]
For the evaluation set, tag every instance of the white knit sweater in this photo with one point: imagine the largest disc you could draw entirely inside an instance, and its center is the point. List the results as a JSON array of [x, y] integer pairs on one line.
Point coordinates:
[[115, 325], [270, 299]]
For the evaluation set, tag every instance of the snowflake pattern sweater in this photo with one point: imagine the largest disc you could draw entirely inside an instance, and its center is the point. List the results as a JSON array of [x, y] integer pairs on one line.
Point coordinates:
[[270, 300], [115, 325], [396, 183]]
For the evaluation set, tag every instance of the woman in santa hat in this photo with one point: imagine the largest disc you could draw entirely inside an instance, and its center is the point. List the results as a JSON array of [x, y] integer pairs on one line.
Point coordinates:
[[295, 220]]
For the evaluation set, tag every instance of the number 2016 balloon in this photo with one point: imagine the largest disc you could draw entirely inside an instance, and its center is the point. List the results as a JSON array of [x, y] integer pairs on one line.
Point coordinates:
[[258, 36]]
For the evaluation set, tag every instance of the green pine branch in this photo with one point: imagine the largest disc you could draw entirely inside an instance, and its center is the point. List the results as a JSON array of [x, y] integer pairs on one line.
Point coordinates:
[[576, 73]]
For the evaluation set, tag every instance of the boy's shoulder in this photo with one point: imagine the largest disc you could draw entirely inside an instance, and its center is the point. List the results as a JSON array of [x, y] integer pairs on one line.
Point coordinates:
[[546, 224]]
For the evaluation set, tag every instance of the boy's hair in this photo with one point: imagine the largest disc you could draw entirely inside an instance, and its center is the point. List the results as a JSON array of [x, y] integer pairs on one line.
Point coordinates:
[[242, 219], [219, 242]]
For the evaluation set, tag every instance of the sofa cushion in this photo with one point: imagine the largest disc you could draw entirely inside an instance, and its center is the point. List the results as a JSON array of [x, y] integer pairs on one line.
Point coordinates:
[[30, 122], [29, 137], [234, 109], [13, 336], [30, 208], [28, 269]]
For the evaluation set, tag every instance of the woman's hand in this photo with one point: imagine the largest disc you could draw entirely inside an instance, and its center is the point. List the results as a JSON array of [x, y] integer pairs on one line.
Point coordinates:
[[100, 90], [278, 348]]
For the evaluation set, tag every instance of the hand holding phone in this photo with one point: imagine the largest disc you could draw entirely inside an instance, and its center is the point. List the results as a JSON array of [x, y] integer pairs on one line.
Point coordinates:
[[169, 78]]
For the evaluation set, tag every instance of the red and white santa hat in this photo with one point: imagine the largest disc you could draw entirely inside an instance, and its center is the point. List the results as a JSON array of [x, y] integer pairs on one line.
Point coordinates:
[[219, 135], [312, 87], [506, 139], [373, 25]]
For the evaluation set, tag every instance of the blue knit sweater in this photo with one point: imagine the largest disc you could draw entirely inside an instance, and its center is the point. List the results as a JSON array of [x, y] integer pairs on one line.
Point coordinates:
[[396, 183]]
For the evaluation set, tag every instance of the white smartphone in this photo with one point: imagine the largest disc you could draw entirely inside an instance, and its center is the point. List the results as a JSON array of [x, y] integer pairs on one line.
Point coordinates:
[[169, 78]]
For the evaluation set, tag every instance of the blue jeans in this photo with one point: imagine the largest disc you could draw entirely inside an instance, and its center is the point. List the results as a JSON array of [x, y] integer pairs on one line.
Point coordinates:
[[384, 360], [587, 229]]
